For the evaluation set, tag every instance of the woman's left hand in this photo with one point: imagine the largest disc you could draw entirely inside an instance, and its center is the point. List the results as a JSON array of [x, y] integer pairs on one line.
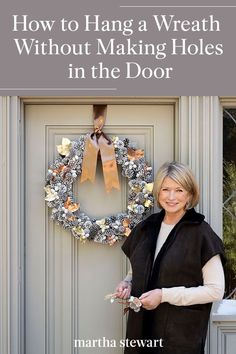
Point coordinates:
[[151, 299]]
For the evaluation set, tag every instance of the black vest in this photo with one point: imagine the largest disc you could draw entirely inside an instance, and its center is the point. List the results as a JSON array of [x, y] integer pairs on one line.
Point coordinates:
[[190, 244]]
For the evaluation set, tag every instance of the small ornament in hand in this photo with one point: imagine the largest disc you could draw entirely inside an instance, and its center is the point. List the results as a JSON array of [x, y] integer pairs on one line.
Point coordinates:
[[132, 302]]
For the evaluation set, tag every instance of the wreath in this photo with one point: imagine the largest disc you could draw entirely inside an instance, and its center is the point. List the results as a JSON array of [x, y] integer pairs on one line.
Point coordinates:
[[66, 210]]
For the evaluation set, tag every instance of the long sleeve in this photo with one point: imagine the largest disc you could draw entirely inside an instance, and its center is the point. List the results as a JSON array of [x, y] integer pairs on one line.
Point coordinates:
[[211, 290], [129, 275]]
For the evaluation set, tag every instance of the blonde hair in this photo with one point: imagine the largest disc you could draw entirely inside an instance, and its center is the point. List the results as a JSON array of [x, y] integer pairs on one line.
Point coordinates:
[[182, 175]]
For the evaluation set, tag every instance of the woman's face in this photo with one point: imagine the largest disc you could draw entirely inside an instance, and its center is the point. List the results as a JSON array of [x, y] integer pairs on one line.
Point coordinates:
[[173, 197]]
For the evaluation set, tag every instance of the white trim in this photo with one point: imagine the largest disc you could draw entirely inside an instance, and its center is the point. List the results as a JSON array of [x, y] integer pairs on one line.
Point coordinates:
[[182, 131], [4, 240], [100, 100], [216, 159], [200, 146], [228, 102], [11, 337]]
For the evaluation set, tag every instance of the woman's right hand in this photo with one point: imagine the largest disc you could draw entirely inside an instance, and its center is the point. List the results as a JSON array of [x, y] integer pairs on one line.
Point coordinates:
[[123, 289]]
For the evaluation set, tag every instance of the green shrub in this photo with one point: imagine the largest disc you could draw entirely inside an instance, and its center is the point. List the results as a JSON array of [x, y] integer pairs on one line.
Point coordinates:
[[229, 225]]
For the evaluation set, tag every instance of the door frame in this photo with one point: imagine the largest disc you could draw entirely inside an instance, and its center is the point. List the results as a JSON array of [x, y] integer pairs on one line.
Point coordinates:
[[198, 142]]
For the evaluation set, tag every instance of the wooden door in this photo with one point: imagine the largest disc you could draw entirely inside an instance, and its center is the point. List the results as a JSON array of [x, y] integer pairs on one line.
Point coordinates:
[[65, 281]]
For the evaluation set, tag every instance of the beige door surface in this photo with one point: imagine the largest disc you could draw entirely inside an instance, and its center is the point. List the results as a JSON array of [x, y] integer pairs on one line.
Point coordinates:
[[65, 280]]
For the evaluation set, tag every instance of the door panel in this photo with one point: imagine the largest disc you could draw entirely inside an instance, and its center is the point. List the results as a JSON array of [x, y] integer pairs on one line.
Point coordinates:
[[65, 281]]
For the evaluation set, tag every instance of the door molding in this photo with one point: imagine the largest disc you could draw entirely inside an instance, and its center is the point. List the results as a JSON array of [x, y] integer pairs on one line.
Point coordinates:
[[12, 222], [200, 145], [198, 142]]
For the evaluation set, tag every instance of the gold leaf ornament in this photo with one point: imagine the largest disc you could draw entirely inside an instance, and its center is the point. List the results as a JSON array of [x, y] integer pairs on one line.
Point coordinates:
[[126, 223], [134, 154], [147, 203], [51, 194], [132, 206], [149, 187], [64, 148], [102, 224], [71, 206], [127, 231], [79, 230]]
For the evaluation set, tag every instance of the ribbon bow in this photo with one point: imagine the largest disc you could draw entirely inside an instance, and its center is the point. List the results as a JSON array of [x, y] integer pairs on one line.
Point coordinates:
[[99, 142]]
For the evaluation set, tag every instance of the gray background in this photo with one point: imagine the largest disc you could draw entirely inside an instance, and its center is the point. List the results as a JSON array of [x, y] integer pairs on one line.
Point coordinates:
[[46, 75]]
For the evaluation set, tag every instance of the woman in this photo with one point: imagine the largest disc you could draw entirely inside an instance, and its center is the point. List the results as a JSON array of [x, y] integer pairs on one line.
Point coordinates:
[[177, 272]]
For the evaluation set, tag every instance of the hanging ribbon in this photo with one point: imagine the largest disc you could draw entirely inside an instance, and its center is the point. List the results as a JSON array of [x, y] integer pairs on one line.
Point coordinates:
[[99, 142]]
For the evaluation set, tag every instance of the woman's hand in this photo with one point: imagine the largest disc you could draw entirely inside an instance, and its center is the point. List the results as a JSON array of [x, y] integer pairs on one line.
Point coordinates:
[[123, 289], [151, 299]]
